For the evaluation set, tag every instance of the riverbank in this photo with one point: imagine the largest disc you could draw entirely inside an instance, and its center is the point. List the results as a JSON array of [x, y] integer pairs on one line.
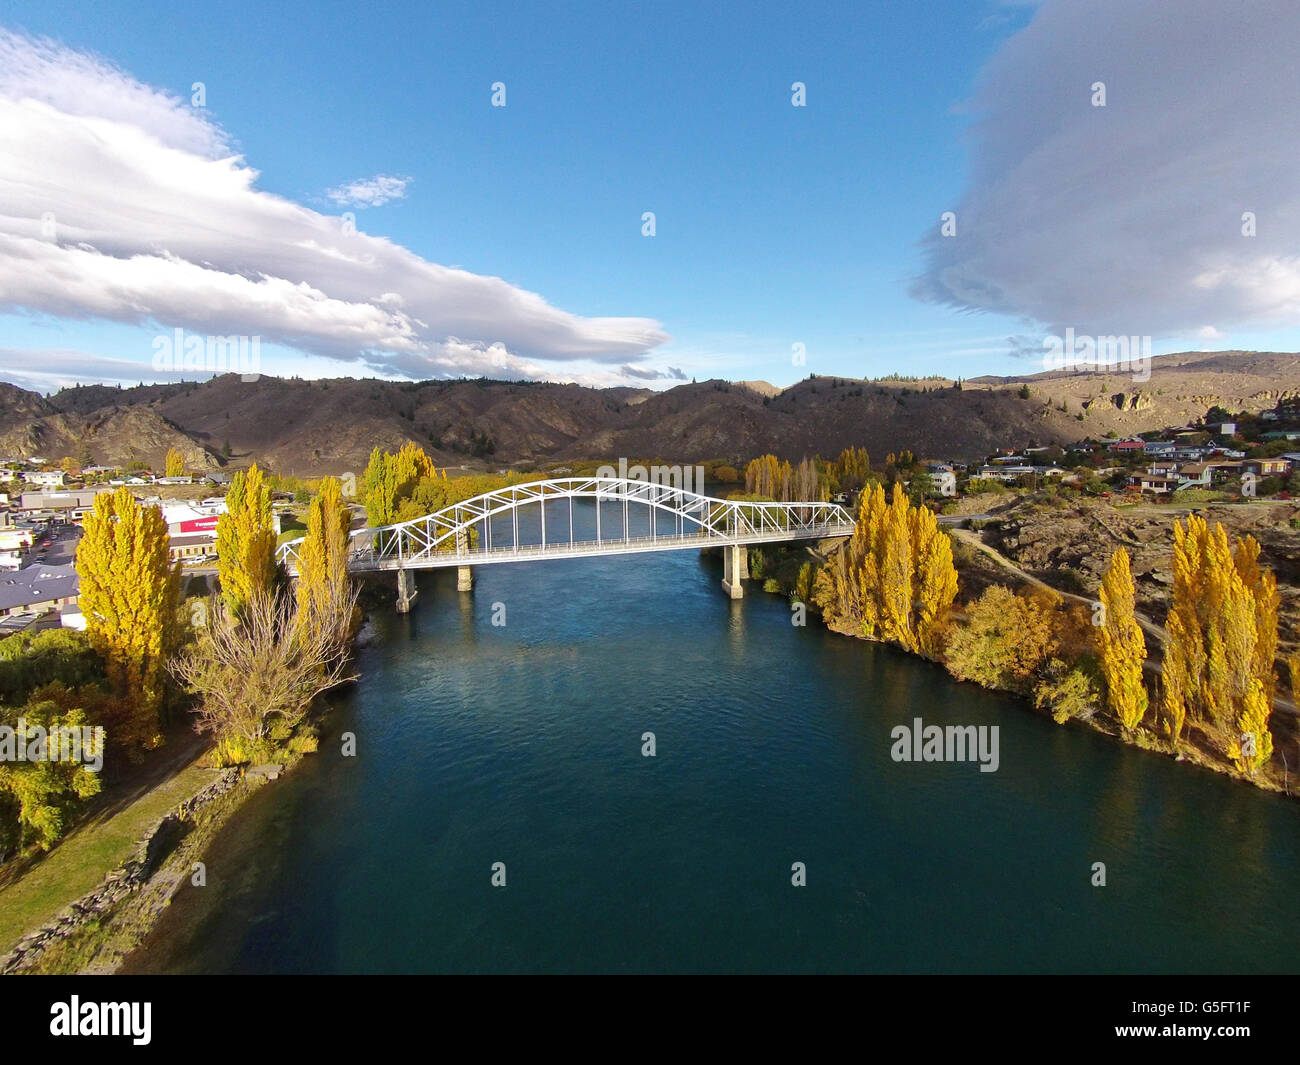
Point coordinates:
[[783, 571]]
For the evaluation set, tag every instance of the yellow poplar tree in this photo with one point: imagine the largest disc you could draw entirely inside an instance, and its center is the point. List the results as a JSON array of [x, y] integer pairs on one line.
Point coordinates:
[[128, 595], [246, 540], [1173, 676], [894, 579], [322, 556], [895, 590], [936, 577], [1123, 647], [1252, 747], [1219, 662], [1262, 585], [174, 463]]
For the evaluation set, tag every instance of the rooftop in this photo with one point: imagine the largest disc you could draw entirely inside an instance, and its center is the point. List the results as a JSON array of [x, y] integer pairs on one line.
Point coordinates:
[[37, 584]]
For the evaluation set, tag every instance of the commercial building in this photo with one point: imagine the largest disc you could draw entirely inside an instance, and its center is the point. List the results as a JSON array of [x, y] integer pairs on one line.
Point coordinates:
[[71, 506], [192, 528]]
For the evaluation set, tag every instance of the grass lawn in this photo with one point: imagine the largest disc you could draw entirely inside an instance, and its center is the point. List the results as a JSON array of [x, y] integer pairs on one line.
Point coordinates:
[[81, 861]]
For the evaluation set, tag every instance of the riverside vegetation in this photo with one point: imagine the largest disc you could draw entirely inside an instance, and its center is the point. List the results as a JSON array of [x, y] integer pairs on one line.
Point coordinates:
[[1210, 699]]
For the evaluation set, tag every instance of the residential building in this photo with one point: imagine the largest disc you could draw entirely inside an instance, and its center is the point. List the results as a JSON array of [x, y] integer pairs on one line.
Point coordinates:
[[1275, 467], [46, 478], [1157, 483], [37, 589]]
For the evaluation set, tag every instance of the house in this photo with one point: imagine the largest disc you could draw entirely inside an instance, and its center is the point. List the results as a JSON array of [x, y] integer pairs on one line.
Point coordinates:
[[35, 589], [1268, 416], [1281, 434], [7, 475], [217, 478], [1164, 468], [1208, 473], [175, 480], [1159, 447], [46, 478], [1156, 483], [1004, 473], [1275, 467], [1127, 447]]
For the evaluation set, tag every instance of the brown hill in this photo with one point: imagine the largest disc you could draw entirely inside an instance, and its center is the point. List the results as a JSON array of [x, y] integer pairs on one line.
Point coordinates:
[[310, 427]]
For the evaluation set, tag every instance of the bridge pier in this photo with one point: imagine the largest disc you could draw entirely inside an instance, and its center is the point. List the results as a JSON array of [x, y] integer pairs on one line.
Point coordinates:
[[406, 590], [464, 578], [735, 568]]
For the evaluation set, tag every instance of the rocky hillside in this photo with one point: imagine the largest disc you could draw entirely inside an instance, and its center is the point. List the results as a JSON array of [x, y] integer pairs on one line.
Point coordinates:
[[310, 427], [1048, 539]]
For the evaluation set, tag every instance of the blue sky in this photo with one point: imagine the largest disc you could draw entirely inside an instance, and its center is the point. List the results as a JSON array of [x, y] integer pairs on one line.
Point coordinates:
[[775, 225]]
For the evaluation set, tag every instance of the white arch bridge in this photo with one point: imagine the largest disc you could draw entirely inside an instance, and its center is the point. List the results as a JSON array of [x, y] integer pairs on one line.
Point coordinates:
[[537, 520]]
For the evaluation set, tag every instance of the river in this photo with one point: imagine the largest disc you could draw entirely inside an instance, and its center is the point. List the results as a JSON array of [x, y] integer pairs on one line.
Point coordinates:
[[522, 744]]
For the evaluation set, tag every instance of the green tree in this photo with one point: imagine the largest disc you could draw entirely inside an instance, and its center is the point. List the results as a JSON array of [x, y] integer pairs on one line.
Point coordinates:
[[45, 790]]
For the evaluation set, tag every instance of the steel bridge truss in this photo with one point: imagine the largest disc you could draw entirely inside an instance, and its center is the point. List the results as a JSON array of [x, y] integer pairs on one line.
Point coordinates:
[[469, 533]]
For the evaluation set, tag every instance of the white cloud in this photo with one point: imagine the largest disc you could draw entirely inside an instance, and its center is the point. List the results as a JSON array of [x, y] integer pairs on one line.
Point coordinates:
[[1128, 218], [122, 203], [370, 192]]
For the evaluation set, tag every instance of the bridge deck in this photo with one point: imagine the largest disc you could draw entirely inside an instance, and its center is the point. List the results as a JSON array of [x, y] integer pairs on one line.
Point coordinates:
[[361, 561]]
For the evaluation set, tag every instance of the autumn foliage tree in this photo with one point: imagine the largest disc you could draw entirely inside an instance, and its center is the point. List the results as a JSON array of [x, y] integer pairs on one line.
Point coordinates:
[[894, 579], [1006, 639], [246, 540], [174, 464], [1222, 625], [1123, 647], [323, 583], [128, 595]]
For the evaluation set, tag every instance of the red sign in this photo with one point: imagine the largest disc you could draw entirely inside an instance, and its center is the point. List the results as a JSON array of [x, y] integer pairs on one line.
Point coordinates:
[[196, 525]]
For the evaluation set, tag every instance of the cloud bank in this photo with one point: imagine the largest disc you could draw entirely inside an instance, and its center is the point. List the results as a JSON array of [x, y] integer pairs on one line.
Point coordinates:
[[1128, 218], [124, 203]]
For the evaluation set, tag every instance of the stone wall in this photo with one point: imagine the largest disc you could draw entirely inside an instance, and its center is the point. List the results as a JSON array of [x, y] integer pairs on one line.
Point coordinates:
[[129, 877]]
